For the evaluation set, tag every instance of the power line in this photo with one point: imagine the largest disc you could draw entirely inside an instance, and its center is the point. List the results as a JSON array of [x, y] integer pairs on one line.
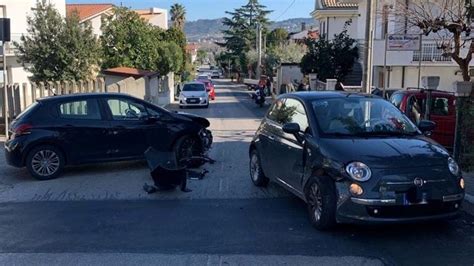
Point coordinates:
[[286, 10]]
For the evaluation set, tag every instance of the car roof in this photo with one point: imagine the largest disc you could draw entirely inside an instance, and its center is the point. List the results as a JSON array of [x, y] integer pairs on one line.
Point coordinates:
[[73, 96], [193, 82], [314, 95], [417, 91]]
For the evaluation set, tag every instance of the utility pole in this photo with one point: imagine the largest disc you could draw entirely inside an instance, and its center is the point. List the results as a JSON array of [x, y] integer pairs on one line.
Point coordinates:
[[259, 50], [369, 30]]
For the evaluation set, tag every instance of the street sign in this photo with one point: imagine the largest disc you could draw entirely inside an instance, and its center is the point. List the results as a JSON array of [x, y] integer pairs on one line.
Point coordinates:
[[5, 29], [403, 42]]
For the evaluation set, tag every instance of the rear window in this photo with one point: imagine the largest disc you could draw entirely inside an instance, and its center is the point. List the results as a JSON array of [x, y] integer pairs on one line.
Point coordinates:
[[397, 99], [84, 109], [440, 106], [194, 87], [28, 110]]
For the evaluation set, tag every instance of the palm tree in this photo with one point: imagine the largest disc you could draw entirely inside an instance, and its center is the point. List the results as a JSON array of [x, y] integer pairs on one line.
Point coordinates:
[[178, 16]]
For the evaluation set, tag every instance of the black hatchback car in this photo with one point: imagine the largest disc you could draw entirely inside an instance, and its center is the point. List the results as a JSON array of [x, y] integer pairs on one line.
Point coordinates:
[[354, 158], [89, 128]]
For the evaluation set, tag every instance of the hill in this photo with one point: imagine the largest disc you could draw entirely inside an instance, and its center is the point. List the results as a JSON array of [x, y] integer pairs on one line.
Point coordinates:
[[212, 28]]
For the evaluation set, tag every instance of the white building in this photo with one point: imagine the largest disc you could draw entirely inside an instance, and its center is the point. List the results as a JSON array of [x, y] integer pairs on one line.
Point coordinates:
[[155, 16], [402, 65], [18, 11], [92, 13]]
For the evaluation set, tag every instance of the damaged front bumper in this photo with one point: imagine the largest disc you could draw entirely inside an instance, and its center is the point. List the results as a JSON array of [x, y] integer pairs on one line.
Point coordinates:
[[399, 203]]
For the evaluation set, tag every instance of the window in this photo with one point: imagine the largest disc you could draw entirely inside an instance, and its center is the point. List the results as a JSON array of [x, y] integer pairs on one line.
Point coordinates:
[[85, 109], [397, 99], [273, 113], [194, 87], [439, 106], [298, 113], [123, 109]]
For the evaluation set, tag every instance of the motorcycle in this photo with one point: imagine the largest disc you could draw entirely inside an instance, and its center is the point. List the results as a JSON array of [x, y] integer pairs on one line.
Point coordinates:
[[260, 96]]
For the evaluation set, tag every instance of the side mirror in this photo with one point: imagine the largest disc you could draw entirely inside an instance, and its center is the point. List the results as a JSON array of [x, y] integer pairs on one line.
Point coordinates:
[[291, 128], [426, 126]]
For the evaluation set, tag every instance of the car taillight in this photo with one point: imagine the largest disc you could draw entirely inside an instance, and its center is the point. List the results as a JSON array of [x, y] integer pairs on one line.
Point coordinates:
[[22, 129]]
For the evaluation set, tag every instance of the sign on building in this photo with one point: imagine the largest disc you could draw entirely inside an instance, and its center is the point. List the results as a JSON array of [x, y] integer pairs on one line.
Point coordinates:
[[403, 42]]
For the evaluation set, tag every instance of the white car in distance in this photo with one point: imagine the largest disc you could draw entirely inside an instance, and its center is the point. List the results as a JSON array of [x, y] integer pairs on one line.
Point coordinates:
[[193, 94]]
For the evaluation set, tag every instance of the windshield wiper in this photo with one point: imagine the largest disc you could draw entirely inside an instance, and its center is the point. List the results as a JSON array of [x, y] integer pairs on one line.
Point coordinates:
[[385, 133]]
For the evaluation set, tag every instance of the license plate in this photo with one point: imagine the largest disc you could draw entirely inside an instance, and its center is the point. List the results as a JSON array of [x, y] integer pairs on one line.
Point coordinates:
[[193, 101]]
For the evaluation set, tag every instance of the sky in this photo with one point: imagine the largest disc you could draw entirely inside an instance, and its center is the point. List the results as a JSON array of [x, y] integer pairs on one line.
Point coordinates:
[[211, 9]]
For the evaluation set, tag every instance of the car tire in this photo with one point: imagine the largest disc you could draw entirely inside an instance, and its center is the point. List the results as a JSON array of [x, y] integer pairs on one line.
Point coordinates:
[[183, 152], [321, 202], [52, 156], [256, 172]]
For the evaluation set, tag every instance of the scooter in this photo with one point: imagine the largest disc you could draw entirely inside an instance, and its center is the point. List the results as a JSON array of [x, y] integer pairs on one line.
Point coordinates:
[[260, 97]]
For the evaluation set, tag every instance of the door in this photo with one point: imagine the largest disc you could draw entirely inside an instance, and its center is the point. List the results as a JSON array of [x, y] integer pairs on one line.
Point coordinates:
[[83, 130], [291, 166], [128, 122], [443, 113], [268, 134]]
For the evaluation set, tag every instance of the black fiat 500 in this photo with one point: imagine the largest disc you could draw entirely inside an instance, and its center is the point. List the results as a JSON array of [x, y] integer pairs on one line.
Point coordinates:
[[100, 127], [355, 158]]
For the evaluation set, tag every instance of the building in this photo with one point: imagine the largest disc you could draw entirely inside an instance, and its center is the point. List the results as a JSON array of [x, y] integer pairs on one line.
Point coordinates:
[[402, 65], [155, 16], [192, 51], [92, 13], [18, 11]]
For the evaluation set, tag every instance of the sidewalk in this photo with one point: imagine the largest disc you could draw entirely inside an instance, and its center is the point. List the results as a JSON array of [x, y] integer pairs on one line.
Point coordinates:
[[469, 181]]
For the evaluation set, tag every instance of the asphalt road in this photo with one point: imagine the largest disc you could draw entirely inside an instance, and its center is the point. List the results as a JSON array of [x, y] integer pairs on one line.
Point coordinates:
[[224, 221]]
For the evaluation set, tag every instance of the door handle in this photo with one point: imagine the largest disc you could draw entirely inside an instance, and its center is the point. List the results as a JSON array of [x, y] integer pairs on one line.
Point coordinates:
[[271, 137]]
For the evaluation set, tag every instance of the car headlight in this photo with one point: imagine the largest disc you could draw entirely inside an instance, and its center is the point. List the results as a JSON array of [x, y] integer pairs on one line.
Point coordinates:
[[453, 166], [358, 171]]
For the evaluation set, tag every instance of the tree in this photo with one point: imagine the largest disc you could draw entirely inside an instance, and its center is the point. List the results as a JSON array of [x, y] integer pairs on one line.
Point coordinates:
[[201, 56], [331, 58], [240, 35], [284, 53], [178, 16], [179, 37], [57, 49], [130, 41], [448, 21], [276, 37]]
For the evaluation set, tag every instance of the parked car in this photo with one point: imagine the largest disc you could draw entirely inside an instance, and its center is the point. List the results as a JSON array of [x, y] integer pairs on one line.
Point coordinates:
[[210, 88], [88, 128], [434, 105], [215, 74], [354, 158], [194, 94], [204, 76]]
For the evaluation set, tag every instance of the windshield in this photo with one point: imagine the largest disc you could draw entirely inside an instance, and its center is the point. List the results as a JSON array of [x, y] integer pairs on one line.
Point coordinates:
[[194, 87], [361, 117]]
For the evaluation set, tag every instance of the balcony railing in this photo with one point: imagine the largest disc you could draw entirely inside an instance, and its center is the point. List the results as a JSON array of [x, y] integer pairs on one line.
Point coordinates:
[[430, 53]]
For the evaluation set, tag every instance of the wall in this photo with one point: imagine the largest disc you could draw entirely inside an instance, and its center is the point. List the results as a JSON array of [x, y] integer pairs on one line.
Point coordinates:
[[160, 20], [96, 24], [411, 76], [336, 25], [287, 74]]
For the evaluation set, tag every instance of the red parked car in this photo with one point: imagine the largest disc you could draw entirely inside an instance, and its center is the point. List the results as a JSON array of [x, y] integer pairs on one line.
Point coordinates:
[[437, 106], [209, 87]]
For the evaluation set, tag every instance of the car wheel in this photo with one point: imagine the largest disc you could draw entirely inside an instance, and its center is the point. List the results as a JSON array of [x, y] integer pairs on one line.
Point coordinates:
[[256, 172], [187, 147], [45, 162], [321, 202]]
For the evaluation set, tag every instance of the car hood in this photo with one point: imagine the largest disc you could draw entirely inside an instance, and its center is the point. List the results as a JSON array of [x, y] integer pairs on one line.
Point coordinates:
[[386, 152], [197, 119], [193, 94]]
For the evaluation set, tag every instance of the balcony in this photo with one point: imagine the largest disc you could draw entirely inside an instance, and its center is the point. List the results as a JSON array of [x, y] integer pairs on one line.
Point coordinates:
[[431, 53], [431, 56]]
